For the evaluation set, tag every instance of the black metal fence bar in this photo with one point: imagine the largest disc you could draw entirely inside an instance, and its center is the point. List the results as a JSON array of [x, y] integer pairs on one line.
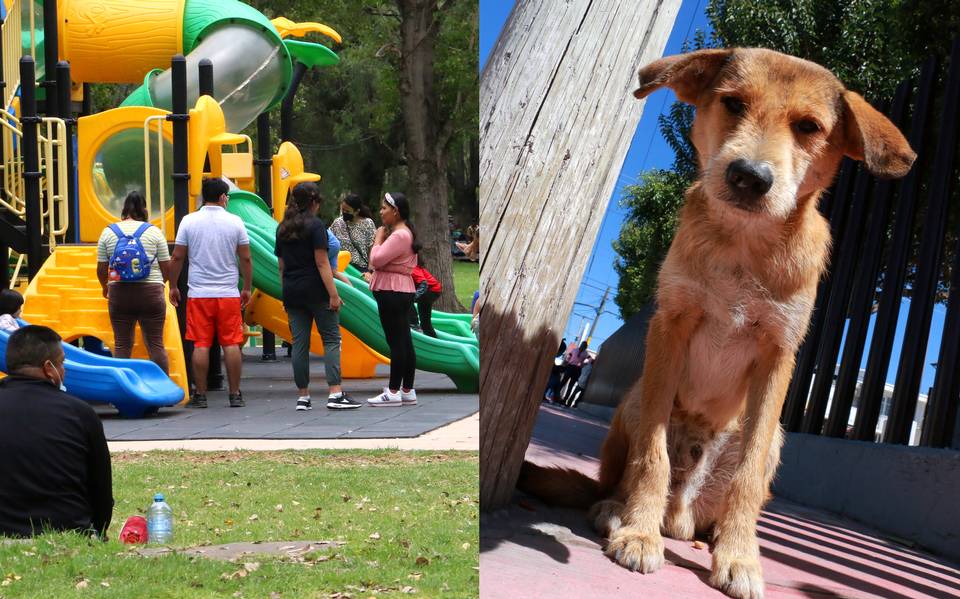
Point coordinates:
[[792, 415], [836, 311], [864, 288], [31, 166], [888, 311], [928, 261], [941, 414]]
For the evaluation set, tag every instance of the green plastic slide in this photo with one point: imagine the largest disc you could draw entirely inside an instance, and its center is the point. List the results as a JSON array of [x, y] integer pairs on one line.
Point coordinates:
[[458, 360]]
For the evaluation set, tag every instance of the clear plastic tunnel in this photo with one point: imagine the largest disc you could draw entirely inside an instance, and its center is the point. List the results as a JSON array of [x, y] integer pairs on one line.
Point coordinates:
[[248, 70]]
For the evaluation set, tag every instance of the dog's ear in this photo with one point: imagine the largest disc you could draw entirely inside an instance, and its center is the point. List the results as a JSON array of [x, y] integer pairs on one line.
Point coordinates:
[[871, 137], [686, 74]]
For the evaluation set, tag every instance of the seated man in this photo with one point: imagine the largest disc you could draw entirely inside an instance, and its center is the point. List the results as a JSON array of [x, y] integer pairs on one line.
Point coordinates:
[[54, 461]]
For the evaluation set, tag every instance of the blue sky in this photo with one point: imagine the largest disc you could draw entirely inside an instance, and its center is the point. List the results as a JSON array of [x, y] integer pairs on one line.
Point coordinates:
[[648, 150]]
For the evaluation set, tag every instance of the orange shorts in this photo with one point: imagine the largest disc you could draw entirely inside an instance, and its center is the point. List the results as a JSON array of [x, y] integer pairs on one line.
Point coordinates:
[[207, 316]]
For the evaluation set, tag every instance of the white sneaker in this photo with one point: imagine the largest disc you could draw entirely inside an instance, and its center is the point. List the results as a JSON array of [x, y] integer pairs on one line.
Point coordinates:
[[409, 398], [303, 404], [386, 399]]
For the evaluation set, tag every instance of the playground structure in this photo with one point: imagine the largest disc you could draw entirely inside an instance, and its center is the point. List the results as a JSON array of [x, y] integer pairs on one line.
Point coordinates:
[[64, 179]]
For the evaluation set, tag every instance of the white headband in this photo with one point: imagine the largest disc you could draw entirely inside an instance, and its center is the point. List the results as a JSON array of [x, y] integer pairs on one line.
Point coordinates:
[[389, 199]]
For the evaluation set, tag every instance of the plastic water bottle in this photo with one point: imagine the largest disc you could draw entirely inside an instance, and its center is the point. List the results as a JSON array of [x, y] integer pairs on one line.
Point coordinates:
[[159, 522]]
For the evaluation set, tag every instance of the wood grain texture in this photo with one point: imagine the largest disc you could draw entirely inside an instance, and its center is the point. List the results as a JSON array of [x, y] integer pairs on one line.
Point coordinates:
[[557, 116]]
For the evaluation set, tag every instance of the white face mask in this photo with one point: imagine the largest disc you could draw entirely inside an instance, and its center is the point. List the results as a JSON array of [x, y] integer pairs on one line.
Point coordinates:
[[60, 381]]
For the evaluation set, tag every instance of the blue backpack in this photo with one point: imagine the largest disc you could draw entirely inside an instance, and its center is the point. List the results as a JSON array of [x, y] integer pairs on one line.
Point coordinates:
[[129, 261]]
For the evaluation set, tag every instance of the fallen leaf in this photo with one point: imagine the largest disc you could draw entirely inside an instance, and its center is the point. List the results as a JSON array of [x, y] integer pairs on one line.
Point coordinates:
[[408, 590], [375, 536], [228, 521], [251, 566], [82, 584], [422, 561], [105, 584], [465, 546], [253, 517], [279, 507], [275, 595], [415, 576], [296, 503]]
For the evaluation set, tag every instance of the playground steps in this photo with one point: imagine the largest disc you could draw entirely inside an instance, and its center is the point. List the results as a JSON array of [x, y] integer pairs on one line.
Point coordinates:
[[65, 296]]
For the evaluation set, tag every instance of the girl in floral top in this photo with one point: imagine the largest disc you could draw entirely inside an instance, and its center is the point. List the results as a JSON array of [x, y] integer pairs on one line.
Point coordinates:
[[355, 230]]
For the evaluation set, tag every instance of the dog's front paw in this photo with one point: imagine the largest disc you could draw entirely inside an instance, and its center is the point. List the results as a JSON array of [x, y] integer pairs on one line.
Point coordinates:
[[636, 550], [606, 516], [740, 577], [679, 524]]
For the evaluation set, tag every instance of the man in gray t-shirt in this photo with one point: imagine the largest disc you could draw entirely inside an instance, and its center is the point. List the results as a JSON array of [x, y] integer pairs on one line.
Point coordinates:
[[212, 239]]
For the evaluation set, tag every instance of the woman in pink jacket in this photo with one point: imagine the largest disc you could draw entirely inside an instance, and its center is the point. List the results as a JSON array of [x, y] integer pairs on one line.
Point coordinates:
[[392, 258]]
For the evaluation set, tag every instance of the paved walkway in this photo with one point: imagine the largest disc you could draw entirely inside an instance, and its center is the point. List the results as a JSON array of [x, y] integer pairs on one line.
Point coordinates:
[[533, 551], [270, 415]]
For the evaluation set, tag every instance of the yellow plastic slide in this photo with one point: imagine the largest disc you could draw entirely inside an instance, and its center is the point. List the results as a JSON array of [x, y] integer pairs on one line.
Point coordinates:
[[357, 361], [65, 296]]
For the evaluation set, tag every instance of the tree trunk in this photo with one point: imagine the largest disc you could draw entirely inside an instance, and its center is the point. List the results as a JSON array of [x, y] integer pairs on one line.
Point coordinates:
[[426, 141], [557, 115]]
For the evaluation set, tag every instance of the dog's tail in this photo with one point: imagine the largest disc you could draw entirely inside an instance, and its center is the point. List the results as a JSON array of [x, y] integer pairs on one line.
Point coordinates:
[[562, 487]]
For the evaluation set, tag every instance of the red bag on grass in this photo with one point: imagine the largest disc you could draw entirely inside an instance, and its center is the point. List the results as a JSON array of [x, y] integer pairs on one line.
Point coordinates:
[[134, 531]]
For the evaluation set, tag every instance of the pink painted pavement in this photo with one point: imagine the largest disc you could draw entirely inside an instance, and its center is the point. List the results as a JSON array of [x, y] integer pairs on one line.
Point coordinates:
[[529, 550]]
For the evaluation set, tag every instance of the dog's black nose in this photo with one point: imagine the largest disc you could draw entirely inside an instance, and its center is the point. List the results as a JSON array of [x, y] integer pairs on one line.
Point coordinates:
[[748, 179]]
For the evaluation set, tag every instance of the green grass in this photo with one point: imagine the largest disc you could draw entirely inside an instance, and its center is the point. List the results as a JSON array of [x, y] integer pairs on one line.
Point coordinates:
[[408, 521], [466, 280]]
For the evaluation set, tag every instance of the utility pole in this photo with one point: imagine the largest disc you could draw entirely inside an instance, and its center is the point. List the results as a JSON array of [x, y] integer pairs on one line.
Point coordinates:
[[603, 302]]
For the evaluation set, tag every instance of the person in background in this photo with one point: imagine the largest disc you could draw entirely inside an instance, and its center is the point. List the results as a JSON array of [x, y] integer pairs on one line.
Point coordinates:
[[214, 241], [428, 290], [11, 307], [139, 300], [475, 310], [552, 393], [393, 256], [574, 395], [471, 249], [54, 461], [309, 294], [574, 361], [355, 230], [333, 252]]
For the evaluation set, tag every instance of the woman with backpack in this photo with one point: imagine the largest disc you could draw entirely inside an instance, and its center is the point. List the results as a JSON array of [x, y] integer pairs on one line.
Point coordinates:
[[132, 265], [355, 230]]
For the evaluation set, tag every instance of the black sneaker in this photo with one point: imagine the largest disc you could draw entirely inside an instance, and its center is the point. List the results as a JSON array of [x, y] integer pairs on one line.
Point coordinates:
[[303, 404], [343, 402], [236, 401], [197, 401]]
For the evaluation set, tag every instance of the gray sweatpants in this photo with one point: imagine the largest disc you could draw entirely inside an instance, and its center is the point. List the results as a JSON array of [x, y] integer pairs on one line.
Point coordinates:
[[328, 325]]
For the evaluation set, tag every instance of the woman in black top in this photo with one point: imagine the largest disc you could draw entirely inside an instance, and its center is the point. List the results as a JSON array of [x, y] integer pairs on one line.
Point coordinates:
[[309, 293]]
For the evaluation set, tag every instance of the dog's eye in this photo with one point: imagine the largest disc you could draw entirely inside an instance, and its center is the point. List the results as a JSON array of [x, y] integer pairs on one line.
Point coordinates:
[[807, 127], [734, 105]]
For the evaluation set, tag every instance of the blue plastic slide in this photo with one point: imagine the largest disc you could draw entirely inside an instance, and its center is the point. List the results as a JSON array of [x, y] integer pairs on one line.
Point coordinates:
[[135, 387]]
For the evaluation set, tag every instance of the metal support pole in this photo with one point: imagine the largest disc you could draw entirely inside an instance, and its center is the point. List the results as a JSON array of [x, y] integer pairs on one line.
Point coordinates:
[[31, 165], [181, 186], [264, 162], [64, 104], [206, 77], [215, 368], [50, 56], [286, 108], [87, 108]]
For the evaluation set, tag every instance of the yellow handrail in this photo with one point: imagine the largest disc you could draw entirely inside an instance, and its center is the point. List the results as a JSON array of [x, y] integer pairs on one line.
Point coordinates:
[[159, 119]]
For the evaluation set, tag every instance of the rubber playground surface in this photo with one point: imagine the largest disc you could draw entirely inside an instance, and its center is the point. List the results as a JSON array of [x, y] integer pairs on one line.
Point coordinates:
[[270, 397]]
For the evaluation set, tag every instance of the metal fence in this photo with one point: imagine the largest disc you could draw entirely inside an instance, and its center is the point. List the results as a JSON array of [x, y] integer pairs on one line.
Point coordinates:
[[889, 247]]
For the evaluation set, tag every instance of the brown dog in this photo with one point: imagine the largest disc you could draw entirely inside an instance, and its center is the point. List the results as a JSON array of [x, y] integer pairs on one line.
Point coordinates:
[[694, 445]]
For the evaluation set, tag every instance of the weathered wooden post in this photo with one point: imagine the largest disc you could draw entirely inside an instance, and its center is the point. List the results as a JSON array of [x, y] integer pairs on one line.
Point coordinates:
[[557, 114]]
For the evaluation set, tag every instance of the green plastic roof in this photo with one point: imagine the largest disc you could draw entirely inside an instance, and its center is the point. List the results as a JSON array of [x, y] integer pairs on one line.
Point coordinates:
[[311, 54]]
